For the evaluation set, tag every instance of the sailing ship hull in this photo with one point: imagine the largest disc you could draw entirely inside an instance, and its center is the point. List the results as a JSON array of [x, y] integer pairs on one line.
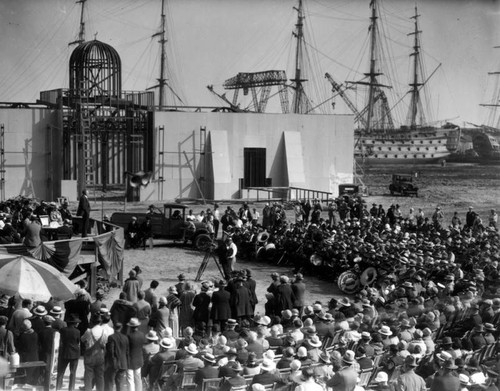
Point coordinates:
[[406, 146]]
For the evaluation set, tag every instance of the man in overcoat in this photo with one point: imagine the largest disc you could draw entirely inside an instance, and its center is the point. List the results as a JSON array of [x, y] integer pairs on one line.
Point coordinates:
[[221, 309], [240, 301], [84, 211], [284, 295], [116, 364]]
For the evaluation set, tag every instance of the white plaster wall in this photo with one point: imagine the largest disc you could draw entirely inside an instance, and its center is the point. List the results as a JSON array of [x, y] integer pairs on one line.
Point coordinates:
[[33, 130], [327, 142]]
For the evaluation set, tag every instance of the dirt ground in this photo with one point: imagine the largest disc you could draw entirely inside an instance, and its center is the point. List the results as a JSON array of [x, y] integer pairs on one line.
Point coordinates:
[[453, 187]]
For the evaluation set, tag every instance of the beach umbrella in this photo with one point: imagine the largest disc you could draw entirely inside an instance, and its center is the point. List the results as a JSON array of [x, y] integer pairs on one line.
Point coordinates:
[[33, 279]]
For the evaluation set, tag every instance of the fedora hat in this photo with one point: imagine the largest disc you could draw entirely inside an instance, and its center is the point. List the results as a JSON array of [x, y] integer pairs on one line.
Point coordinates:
[[366, 336], [324, 356], [242, 344], [267, 365], [444, 356], [232, 322], [73, 318], [385, 330], [449, 364], [446, 341], [411, 361], [315, 342], [40, 310], [479, 328], [464, 379], [167, 343], [133, 322], [348, 357], [345, 302], [191, 349], [489, 327], [235, 366], [208, 357], [151, 335], [381, 377]]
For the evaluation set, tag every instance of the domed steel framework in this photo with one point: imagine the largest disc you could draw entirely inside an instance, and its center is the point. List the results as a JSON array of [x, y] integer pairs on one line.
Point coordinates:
[[107, 132], [95, 70]]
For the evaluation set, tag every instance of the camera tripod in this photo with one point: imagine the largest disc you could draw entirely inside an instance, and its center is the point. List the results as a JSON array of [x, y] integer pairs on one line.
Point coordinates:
[[209, 254]]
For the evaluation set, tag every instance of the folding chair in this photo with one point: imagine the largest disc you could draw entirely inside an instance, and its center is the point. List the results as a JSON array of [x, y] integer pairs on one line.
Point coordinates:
[[211, 384], [365, 376], [188, 380], [248, 379]]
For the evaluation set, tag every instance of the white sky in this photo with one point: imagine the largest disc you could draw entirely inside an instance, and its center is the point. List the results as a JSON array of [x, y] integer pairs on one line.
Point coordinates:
[[212, 40]]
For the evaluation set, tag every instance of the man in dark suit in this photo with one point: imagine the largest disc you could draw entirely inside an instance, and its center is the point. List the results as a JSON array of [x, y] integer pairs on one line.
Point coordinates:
[[267, 375], [448, 381], [69, 352], [346, 378], [233, 378], [299, 290], [117, 353], [84, 211], [209, 371], [284, 295], [136, 339]]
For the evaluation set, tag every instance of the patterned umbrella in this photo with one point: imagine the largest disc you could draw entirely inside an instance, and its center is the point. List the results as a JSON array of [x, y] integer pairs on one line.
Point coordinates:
[[33, 279]]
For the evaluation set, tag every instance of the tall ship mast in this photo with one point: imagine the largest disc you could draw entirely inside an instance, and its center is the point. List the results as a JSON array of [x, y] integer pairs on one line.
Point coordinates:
[[299, 103], [378, 140]]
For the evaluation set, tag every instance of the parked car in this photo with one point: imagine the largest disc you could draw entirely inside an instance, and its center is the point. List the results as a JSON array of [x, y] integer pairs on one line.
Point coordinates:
[[169, 223], [403, 184]]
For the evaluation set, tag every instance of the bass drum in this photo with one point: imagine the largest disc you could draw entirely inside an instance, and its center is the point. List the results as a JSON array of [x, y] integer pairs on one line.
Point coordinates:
[[368, 277], [316, 260], [348, 282]]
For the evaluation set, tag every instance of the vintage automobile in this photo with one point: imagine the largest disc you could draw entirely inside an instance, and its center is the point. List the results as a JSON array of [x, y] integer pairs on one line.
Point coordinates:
[[169, 223], [403, 184]]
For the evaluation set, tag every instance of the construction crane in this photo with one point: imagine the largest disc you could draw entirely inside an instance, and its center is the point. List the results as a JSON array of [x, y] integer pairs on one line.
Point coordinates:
[[340, 89], [250, 81]]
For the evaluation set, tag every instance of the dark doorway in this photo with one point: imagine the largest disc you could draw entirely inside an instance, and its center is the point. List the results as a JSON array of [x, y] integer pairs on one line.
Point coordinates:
[[254, 167]]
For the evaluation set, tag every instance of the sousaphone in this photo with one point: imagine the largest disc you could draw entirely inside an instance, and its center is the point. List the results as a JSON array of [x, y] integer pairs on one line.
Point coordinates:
[[368, 277], [263, 237]]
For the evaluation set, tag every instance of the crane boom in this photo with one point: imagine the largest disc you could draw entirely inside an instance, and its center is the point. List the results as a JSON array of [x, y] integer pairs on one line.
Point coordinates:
[[338, 88]]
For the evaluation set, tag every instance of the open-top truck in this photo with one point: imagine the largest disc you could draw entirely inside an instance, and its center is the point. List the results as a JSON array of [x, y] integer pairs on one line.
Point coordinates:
[[169, 223]]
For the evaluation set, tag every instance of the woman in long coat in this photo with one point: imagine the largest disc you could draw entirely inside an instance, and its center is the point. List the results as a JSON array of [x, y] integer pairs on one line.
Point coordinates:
[[241, 304], [186, 311], [173, 304]]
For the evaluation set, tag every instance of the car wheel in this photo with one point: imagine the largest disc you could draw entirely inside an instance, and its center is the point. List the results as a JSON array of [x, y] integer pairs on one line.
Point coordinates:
[[202, 242]]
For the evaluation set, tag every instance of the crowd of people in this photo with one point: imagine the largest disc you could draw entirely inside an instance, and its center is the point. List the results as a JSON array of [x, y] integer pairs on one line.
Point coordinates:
[[21, 221], [429, 320]]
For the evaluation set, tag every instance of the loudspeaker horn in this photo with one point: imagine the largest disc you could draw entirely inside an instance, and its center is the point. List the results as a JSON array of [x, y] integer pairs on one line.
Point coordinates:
[[140, 178]]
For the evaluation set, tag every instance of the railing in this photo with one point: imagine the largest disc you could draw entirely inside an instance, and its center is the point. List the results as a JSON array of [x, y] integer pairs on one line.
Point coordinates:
[[290, 193]]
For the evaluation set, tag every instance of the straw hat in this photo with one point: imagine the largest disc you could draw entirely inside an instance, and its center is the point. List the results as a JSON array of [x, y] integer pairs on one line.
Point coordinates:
[[267, 365], [133, 322], [191, 349], [348, 357], [167, 343], [385, 330], [151, 335]]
